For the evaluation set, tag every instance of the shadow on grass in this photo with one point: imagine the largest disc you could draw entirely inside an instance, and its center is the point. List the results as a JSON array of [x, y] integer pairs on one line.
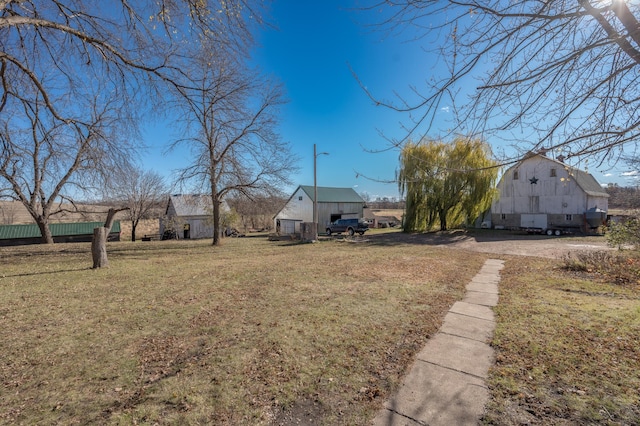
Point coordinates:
[[439, 238], [31, 274]]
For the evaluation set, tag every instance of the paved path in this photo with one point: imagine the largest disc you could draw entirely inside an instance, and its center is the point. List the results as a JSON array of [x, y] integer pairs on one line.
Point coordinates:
[[446, 384]]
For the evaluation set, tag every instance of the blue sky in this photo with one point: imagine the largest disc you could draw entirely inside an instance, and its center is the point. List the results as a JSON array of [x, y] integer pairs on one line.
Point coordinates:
[[313, 51]]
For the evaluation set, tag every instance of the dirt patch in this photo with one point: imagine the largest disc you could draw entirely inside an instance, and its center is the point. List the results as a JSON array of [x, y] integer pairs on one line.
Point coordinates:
[[498, 242], [303, 412]]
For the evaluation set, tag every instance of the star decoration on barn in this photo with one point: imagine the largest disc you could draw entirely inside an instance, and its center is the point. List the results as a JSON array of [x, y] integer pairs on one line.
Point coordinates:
[[533, 180]]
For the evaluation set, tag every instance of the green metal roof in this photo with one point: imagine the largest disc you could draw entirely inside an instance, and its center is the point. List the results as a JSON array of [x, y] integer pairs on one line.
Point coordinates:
[[31, 230], [333, 195]]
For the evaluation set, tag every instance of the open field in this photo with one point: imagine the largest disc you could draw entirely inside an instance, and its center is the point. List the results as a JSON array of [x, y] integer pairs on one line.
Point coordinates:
[[13, 212], [259, 332]]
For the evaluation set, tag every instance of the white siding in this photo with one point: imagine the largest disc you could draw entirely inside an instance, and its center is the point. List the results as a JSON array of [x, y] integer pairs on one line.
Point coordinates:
[[557, 194], [200, 228], [289, 226], [299, 207], [534, 221]]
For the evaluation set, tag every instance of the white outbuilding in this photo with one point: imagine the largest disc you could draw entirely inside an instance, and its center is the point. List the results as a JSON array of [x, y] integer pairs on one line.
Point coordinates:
[[333, 204], [189, 216]]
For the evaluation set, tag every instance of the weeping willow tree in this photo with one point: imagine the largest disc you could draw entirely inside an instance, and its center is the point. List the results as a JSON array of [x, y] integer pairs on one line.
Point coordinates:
[[450, 182]]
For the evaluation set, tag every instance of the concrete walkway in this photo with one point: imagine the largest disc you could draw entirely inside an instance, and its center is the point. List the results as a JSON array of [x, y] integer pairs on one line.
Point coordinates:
[[446, 384]]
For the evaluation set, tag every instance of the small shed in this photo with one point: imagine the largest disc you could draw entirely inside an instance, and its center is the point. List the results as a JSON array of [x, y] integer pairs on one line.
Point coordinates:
[[190, 216], [333, 204], [541, 192], [67, 232], [383, 218]]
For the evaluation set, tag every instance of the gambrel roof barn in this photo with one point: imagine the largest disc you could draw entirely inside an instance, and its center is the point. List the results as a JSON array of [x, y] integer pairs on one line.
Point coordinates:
[[540, 192]]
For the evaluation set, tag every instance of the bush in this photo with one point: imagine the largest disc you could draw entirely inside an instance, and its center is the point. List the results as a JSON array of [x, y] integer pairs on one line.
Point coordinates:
[[613, 267], [621, 234]]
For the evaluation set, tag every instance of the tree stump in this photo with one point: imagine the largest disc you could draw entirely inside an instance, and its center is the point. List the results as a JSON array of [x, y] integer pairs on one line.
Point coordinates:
[[99, 247], [99, 241]]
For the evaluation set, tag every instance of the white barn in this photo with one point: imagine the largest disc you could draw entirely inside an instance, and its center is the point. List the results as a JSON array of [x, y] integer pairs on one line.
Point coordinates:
[[540, 192], [333, 204], [190, 216]]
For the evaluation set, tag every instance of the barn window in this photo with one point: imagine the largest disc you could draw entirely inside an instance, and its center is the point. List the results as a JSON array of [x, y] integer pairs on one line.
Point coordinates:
[[515, 175], [568, 217], [503, 216], [553, 172], [300, 198]]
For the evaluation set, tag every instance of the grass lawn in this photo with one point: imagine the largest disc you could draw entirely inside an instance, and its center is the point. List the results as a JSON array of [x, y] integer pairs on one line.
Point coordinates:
[[259, 332], [252, 332], [567, 346]]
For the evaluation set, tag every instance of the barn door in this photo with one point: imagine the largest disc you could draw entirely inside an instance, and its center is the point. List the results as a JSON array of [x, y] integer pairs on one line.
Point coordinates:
[[534, 204]]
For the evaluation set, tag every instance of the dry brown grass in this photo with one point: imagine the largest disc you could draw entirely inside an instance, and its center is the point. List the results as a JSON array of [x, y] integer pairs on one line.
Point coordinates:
[[253, 332], [567, 347]]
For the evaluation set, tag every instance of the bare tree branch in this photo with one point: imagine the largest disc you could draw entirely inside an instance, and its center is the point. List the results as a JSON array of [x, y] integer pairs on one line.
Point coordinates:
[[75, 77], [557, 74], [230, 121]]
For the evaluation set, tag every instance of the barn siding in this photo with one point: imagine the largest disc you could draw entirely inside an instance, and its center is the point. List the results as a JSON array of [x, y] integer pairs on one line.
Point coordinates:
[[194, 210], [299, 208], [558, 193]]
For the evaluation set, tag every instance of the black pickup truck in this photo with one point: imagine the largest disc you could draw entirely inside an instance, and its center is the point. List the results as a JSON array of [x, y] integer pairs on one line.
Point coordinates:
[[350, 226]]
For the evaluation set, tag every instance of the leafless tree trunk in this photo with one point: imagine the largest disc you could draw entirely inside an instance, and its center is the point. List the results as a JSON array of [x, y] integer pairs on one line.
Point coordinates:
[[76, 76], [258, 212], [230, 122], [99, 241], [142, 191], [42, 157]]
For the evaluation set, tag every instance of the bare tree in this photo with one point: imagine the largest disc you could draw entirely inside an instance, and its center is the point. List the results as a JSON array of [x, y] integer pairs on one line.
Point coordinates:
[[229, 121], [53, 46], [74, 76], [45, 161], [140, 191], [623, 197], [557, 74], [256, 213], [8, 212]]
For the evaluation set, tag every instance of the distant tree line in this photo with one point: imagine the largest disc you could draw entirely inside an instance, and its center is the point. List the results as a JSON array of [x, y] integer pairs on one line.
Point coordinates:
[[623, 197], [255, 214], [386, 203]]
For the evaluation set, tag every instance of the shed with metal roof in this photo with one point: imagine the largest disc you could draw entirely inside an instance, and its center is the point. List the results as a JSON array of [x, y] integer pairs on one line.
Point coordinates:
[[189, 216], [67, 232], [333, 204]]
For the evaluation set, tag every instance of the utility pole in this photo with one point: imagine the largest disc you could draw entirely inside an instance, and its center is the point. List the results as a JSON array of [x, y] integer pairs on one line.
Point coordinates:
[[315, 195], [315, 192]]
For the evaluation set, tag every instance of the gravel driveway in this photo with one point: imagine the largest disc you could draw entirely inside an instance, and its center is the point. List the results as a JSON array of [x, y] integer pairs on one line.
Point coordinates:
[[499, 242]]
